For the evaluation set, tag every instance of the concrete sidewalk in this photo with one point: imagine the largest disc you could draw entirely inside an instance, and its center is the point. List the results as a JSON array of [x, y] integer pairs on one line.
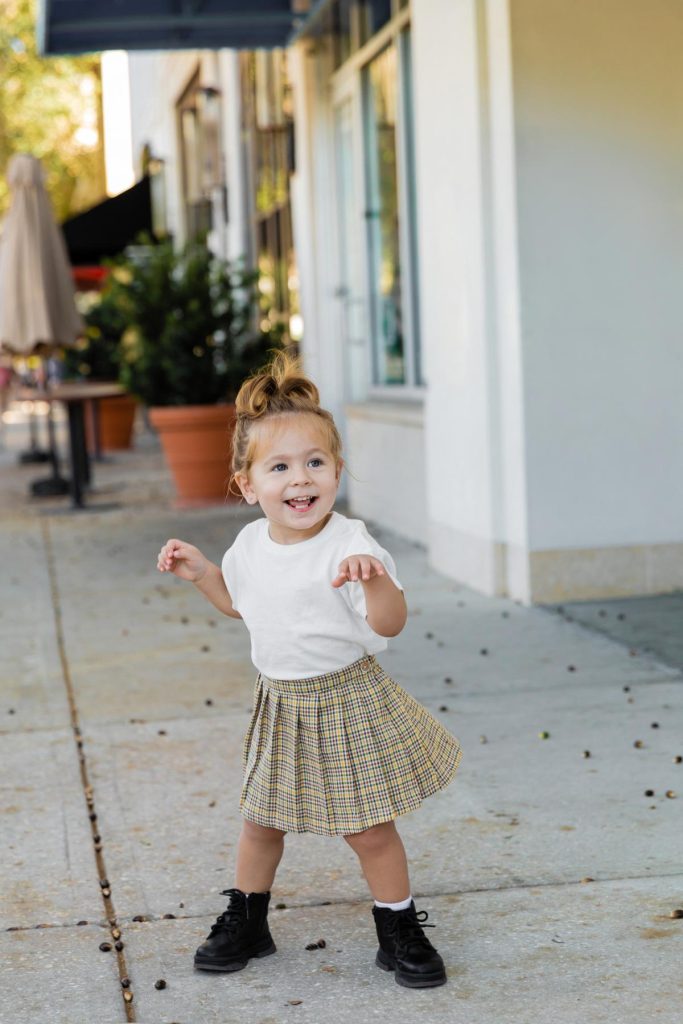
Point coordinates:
[[550, 875]]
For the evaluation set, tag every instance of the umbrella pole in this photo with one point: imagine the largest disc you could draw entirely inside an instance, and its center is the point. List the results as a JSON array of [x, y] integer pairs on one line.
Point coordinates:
[[34, 453], [56, 484]]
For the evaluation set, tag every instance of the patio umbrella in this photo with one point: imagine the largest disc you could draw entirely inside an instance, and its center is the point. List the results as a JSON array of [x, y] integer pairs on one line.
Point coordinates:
[[37, 308]]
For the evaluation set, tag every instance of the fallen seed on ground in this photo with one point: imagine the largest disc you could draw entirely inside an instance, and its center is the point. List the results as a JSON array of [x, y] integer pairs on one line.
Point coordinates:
[[429, 636], [447, 679], [483, 739], [205, 647], [443, 708], [626, 689], [212, 804], [671, 794], [182, 906], [677, 759], [639, 744], [184, 619], [295, 1002], [79, 923], [678, 913], [586, 753], [544, 735], [93, 817], [115, 934], [584, 881], [105, 947], [106, 892], [280, 906], [312, 945], [162, 732], [128, 996], [139, 917], [118, 946], [484, 651], [321, 943], [169, 917], [571, 668], [160, 983], [649, 792], [104, 884], [655, 725], [125, 982], [208, 702]]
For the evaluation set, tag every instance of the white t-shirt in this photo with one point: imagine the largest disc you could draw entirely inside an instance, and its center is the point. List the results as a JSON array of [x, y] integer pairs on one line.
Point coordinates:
[[300, 625]]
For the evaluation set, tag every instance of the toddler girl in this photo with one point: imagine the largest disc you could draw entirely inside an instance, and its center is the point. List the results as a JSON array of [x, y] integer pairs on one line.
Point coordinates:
[[334, 746]]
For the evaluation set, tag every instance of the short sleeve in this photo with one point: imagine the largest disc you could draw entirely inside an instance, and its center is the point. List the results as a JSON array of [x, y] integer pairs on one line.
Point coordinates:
[[229, 570], [362, 543]]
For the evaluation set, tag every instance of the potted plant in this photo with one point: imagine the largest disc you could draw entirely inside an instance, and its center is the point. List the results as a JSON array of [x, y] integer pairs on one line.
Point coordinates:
[[188, 345], [97, 357]]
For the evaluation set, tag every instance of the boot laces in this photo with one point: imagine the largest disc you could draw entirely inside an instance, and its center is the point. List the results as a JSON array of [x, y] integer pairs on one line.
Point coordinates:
[[406, 927], [232, 917]]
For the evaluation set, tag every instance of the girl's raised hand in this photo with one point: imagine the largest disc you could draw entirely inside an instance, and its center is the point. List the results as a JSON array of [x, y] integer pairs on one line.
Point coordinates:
[[358, 567], [183, 560]]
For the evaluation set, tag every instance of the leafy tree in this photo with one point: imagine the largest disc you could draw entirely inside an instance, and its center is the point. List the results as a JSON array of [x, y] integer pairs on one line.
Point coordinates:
[[50, 107]]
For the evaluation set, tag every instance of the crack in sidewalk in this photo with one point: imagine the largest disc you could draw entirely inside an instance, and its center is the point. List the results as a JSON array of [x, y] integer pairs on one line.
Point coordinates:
[[88, 794]]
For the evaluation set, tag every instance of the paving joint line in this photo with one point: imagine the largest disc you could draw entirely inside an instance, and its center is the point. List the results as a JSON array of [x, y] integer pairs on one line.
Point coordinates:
[[155, 919], [88, 794]]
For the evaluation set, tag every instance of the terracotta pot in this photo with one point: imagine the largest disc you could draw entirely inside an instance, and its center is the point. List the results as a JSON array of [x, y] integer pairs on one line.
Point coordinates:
[[197, 444], [117, 416]]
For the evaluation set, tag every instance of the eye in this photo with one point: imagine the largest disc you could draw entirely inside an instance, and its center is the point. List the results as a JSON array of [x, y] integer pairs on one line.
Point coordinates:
[[315, 462], [279, 467]]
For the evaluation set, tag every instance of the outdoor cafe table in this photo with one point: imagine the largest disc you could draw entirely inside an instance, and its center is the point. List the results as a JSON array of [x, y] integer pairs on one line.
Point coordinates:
[[75, 397]]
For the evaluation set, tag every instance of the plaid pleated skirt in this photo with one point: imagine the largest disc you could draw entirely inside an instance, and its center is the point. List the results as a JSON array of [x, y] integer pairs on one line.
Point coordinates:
[[341, 752]]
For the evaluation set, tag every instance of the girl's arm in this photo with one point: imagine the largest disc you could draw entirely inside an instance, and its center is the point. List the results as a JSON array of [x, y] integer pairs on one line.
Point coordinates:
[[386, 605], [188, 563]]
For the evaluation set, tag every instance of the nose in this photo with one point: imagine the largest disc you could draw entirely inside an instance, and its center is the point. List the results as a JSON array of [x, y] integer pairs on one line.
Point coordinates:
[[302, 476]]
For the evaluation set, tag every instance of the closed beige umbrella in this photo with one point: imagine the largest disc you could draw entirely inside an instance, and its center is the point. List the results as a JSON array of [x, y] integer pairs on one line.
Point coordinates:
[[37, 305]]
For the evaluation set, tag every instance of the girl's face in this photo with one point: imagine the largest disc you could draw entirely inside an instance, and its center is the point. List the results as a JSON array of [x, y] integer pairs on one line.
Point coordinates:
[[294, 477]]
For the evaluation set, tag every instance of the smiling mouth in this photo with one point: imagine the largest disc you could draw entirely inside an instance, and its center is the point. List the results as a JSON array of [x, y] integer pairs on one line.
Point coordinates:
[[302, 504]]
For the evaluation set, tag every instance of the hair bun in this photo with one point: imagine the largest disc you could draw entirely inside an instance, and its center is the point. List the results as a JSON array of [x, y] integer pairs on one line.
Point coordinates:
[[281, 387]]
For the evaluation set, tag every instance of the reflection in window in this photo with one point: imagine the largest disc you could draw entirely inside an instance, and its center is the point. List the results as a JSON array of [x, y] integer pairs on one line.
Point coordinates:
[[382, 214]]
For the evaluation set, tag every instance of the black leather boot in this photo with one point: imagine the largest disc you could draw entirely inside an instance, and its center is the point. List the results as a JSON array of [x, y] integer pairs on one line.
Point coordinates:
[[240, 933], [404, 948]]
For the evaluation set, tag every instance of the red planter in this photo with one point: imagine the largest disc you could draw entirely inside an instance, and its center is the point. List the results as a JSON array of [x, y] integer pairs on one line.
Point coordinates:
[[116, 419], [197, 444]]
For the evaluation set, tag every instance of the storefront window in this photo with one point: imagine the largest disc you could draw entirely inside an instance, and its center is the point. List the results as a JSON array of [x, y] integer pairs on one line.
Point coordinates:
[[382, 216]]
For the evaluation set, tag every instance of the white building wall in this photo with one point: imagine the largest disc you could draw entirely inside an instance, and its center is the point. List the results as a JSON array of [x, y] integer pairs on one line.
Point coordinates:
[[474, 443], [599, 138]]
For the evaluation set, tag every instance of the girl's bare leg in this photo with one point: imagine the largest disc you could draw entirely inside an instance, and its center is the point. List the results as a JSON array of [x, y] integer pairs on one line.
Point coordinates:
[[383, 860], [259, 852]]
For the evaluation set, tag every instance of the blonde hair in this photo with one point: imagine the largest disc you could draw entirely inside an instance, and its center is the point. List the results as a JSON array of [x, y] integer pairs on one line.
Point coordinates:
[[280, 389]]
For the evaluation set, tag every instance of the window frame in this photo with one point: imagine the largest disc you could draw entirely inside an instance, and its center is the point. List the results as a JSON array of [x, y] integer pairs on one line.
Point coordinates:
[[346, 80]]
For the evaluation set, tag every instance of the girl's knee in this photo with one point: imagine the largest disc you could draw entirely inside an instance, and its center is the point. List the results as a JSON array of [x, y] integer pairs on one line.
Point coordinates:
[[372, 839], [261, 833]]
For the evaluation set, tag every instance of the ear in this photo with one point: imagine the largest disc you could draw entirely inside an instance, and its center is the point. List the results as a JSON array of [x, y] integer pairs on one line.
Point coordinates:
[[338, 471], [242, 481]]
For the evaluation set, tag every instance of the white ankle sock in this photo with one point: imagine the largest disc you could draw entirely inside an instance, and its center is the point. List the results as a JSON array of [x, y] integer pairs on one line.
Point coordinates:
[[403, 905]]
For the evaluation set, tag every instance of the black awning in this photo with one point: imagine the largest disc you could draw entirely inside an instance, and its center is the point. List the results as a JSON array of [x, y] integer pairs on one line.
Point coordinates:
[[82, 26], [106, 229]]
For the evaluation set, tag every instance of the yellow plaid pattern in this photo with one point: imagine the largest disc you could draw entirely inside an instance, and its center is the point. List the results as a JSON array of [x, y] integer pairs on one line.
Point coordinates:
[[341, 752]]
